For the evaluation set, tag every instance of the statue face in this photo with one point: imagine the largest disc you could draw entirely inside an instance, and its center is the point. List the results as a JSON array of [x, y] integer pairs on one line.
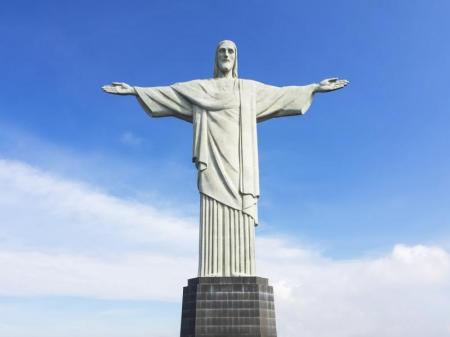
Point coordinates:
[[226, 56]]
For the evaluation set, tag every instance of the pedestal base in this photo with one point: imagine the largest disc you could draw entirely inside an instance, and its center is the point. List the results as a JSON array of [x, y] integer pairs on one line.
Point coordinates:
[[228, 307]]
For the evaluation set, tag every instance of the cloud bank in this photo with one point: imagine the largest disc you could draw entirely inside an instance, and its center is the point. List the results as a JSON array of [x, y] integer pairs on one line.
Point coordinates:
[[67, 238]]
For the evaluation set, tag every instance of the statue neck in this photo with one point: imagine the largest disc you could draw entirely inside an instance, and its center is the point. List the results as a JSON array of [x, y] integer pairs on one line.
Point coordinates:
[[228, 74]]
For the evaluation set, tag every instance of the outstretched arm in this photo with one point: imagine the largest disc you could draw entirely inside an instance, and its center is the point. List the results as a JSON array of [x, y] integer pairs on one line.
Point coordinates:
[[272, 102], [156, 101]]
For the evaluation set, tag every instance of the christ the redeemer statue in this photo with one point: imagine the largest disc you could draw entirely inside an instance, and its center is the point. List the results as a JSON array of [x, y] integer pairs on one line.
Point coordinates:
[[224, 112]]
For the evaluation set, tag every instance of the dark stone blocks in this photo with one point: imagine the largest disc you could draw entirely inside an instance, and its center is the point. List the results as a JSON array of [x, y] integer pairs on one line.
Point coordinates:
[[228, 307]]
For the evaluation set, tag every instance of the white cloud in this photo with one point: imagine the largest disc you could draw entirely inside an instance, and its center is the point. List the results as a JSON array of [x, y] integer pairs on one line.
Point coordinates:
[[39, 209], [125, 276], [405, 293], [61, 237]]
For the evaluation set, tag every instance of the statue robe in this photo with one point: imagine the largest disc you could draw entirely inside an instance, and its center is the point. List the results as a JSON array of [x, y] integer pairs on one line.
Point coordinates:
[[224, 113]]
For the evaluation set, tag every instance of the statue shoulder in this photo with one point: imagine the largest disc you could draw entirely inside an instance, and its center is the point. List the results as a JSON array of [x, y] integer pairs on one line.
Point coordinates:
[[253, 82], [190, 86], [195, 83], [256, 85]]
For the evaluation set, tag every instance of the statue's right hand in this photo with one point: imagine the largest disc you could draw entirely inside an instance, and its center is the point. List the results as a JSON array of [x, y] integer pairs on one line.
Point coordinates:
[[119, 88]]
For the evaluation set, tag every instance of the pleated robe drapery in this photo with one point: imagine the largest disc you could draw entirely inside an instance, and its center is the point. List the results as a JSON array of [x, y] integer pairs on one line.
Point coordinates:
[[224, 113]]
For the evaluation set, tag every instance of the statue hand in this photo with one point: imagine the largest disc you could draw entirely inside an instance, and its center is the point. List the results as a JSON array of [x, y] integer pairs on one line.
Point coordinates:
[[330, 84], [119, 88]]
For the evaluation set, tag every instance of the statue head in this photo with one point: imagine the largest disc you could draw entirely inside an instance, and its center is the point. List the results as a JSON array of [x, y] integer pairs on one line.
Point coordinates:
[[226, 59]]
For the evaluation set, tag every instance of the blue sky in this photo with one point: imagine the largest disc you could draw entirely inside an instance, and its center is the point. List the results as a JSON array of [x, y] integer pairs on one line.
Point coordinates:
[[361, 181]]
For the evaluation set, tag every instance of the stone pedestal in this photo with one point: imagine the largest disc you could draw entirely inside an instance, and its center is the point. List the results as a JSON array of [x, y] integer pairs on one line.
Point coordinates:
[[228, 307]]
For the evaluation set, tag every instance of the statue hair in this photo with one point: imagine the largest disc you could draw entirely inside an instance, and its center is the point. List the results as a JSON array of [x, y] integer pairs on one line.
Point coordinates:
[[235, 66]]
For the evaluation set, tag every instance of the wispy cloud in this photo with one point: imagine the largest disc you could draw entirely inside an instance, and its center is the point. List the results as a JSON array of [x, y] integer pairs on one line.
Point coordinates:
[[143, 177], [43, 210]]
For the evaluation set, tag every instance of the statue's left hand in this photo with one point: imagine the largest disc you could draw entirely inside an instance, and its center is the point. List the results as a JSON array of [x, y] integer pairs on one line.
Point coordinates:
[[330, 84]]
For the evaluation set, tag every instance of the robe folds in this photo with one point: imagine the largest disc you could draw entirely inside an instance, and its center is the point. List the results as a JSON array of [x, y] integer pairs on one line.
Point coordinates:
[[224, 114]]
